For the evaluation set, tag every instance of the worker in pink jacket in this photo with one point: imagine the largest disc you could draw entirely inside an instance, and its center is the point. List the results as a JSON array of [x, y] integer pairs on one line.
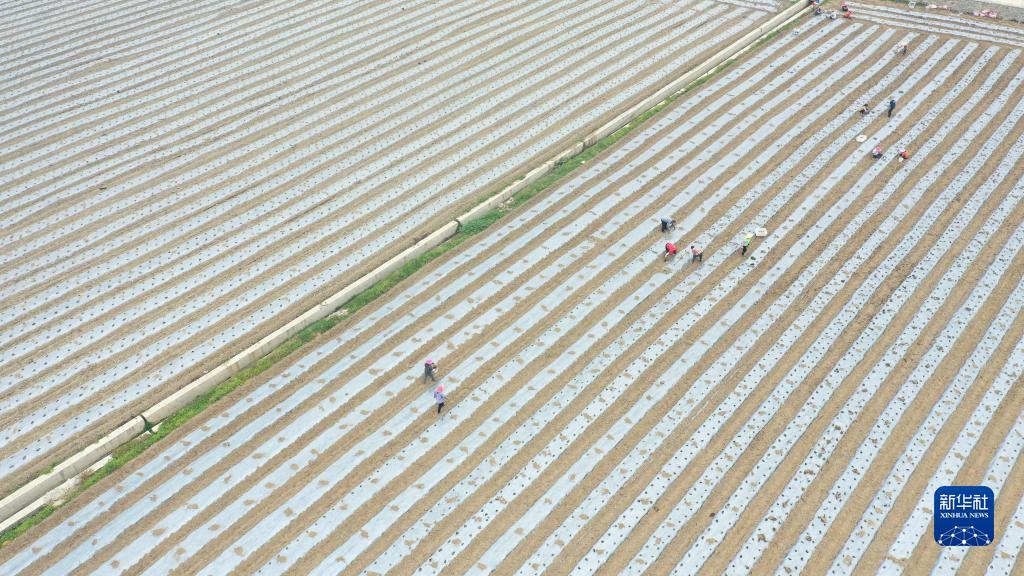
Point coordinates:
[[439, 397]]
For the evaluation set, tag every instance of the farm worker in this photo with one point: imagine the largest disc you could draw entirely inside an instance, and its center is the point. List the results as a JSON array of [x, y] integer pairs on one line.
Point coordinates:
[[844, 7], [667, 224], [892, 106], [439, 397], [746, 242], [902, 49], [864, 111], [670, 250], [904, 154], [696, 254], [818, 10], [848, 14], [876, 152], [430, 370]]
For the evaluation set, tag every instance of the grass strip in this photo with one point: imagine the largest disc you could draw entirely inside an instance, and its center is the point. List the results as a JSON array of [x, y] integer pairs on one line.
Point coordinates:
[[125, 453]]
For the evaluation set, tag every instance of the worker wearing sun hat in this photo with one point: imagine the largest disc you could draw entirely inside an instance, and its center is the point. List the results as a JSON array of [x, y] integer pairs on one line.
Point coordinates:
[[430, 370], [439, 397]]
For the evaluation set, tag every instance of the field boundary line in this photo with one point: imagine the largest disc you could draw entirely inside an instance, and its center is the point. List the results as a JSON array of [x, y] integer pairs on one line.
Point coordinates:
[[32, 496]]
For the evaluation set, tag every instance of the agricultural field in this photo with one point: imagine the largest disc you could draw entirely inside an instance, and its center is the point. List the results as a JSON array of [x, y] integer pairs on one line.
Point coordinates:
[[787, 410], [179, 179]]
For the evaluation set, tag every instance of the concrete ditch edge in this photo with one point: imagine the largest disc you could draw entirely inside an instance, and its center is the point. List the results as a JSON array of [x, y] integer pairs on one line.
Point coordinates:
[[30, 497]]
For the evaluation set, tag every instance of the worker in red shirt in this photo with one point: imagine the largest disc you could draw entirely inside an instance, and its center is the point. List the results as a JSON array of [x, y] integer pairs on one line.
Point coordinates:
[[670, 250]]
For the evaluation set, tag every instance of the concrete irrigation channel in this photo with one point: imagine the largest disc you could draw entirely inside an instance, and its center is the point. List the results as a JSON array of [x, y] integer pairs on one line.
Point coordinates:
[[786, 410], [180, 182]]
